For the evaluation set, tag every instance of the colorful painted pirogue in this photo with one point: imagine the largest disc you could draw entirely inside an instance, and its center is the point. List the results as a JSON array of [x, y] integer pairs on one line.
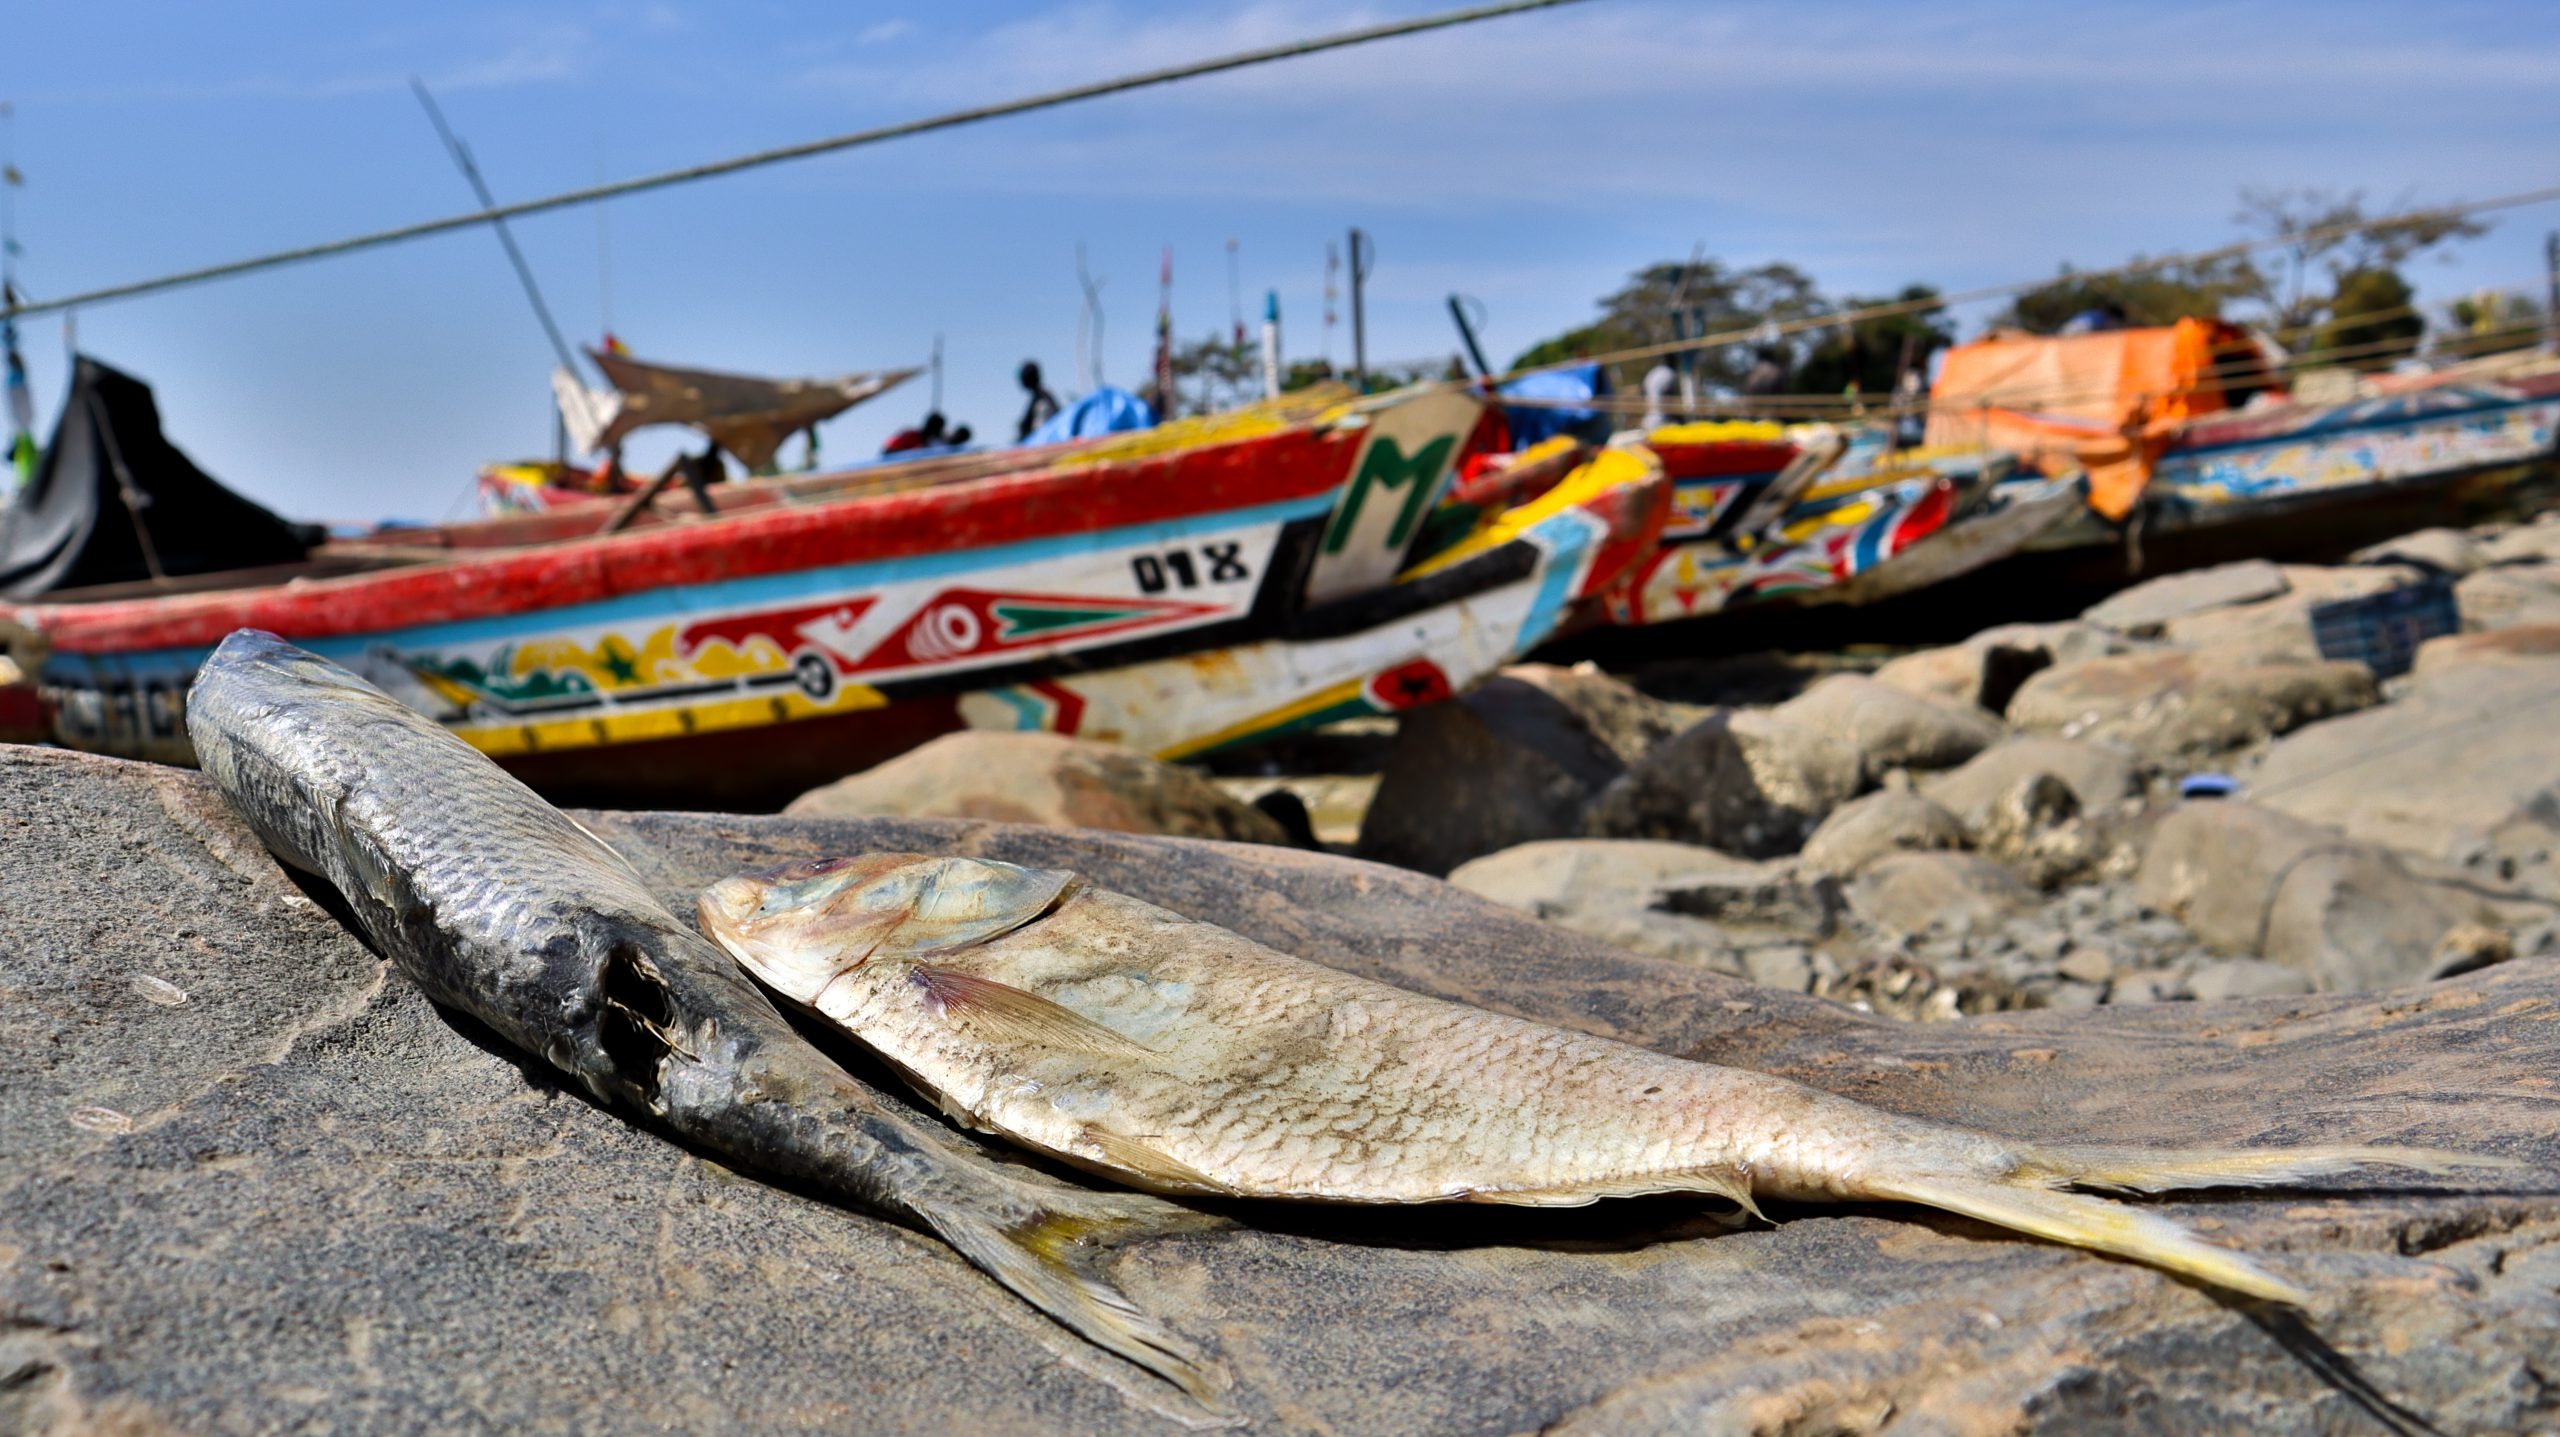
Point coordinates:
[[2142, 425], [2195, 454], [1803, 514], [1175, 589]]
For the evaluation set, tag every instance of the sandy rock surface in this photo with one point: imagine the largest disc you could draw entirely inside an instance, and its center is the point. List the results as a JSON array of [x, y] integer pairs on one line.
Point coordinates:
[[2465, 762], [1042, 778], [1744, 781], [323, 1203], [2181, 707], [1890, 820], [1517, 760]]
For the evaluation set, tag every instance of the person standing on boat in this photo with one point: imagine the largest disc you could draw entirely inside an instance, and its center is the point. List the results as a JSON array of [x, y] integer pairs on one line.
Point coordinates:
[[1659, 381], [1041, 405], [1768, 374]]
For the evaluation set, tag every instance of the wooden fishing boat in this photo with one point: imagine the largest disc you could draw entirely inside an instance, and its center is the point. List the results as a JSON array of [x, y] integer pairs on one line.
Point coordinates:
[[2196, 453], [1176, 589], [1808, 515]]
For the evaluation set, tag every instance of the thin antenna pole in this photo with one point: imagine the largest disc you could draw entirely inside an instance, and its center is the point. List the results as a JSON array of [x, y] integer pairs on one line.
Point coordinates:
[[2551, 289], [1235, 296], [480, 187], [1164, 337], [9, 182], [21, 458], [1361, 254], [1332, 294], [936, 406]]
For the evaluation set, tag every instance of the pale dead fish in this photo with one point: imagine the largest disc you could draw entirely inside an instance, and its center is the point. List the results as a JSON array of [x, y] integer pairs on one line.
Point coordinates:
[[1183, 1058], [500, 905]]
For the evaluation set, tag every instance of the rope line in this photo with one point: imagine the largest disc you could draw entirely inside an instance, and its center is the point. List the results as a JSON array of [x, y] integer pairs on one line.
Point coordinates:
[[952, 120]]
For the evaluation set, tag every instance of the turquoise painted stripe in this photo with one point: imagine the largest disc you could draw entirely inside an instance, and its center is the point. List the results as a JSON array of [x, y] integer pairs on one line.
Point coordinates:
[[1027, 709], [1568, 538], [768, 590]]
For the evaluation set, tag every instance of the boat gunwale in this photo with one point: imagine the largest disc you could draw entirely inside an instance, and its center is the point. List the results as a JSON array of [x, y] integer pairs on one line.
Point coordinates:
[[1299, 461]]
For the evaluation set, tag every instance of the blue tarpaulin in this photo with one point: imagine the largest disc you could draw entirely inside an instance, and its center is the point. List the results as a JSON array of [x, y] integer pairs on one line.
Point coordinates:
[[1533, 422], [1104, 411]]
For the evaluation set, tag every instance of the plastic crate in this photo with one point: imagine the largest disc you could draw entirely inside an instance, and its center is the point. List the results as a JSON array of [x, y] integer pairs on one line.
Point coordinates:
[[2382, 631]]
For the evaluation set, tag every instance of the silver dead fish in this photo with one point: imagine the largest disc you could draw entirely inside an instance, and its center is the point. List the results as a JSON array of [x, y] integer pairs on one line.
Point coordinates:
[[501, 906], [1184, 1058]]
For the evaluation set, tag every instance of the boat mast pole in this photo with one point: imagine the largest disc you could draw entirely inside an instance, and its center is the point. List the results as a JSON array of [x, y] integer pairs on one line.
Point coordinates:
[[1467, 335], [524, 272]]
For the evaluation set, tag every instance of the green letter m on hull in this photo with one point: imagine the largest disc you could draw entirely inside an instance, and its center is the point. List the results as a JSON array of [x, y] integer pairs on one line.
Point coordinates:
[[1386, 467]]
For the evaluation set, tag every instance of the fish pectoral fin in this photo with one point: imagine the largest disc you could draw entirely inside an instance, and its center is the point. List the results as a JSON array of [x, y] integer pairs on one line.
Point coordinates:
[[1132, 1155], [958, 903], [1718, 1180], [1009, 1014]]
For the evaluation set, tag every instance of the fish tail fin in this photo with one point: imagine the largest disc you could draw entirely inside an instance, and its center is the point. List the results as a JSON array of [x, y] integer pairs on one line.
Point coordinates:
[[2025, 1204], [1054, 1261], [2023, 1189], [2153, 1170]]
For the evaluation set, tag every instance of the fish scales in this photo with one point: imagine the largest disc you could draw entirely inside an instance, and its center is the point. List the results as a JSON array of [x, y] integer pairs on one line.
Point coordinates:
[[500, 906], [1183, 1057]]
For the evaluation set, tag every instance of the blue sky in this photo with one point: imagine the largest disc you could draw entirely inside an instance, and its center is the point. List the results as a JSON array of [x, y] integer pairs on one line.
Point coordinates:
[[1530, 162]]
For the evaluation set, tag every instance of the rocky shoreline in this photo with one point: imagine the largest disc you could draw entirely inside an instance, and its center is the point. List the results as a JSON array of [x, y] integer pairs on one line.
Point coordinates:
[[2159, 875]]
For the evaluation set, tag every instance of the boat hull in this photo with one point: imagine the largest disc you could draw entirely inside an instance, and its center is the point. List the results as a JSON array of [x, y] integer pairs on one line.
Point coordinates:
[[1160, 600]]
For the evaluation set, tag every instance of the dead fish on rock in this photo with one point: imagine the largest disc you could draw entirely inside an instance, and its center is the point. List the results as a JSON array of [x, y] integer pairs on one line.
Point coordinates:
[[501, 906], [1183, 1058]]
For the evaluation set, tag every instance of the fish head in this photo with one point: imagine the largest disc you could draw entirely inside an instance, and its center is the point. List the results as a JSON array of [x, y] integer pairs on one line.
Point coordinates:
[[255, 651], [801, 926]]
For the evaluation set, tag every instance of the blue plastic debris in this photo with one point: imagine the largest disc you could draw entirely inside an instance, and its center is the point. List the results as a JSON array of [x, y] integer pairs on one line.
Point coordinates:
[[2208, 785], [2382, 631]]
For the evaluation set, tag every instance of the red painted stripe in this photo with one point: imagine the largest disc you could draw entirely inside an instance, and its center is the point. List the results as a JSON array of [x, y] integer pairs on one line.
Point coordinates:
[[1003, 509], [1724, 459]]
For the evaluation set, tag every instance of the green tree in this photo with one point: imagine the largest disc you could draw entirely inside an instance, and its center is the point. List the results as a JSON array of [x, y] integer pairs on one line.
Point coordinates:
[[1684, 299], [2489, 321], [2371, 322], [2142, 298], [1213, 374], [2325, 240], [1871, 353]]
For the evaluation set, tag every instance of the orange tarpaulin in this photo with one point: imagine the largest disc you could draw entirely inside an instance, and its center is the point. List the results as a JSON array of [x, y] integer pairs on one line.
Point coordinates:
[[2108, 401]]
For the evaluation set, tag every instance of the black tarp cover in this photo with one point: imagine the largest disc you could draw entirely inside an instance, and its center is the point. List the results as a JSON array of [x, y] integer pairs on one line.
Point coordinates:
[[72, 528]]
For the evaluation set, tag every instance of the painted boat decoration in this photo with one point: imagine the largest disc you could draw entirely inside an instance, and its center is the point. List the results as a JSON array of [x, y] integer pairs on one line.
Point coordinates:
[[2196, 453], [1278, 563], [1769, 514]]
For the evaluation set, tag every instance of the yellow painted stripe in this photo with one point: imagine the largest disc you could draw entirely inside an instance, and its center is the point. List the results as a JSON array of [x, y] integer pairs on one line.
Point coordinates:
[[501, 740], [1719, 431], [1321, 699], [1609, 469]]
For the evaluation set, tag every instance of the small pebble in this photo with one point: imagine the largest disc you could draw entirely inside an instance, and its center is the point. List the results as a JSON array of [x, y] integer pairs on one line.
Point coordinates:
[[2247, 978], [100, 1120], [158, 990], [2075, 996], [2087, 965]]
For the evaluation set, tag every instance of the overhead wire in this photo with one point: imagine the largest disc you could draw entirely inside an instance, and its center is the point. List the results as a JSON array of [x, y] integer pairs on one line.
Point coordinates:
[[954, 119]]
